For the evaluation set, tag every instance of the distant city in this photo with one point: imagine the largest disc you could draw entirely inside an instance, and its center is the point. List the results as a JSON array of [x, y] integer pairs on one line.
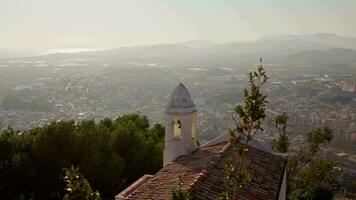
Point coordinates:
[[314, 83]]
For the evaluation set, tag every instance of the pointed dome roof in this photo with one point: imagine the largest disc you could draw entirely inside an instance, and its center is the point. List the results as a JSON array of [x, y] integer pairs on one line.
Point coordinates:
[[180, 97], [180, 100]]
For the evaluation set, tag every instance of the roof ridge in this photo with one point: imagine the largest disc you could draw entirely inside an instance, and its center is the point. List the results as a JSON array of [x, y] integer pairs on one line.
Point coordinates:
[[210, 164], [134, 186], [203, 173]]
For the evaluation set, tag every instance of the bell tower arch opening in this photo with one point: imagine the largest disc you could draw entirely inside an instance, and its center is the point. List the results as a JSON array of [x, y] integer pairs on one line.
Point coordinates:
[[181, 122]]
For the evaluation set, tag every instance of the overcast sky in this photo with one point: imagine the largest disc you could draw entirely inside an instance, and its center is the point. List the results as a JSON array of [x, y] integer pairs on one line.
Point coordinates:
[[98, 24]]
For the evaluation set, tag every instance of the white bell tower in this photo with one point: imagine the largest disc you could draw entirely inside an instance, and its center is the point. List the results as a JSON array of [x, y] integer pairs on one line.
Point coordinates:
[[181, 122]]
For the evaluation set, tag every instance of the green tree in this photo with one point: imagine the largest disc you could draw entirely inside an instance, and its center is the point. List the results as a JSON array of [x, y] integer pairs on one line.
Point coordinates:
[[77, 187], [111, 155], [54, 147], [248, 121], [309, 175], [179, 193], [15, 164], [281, 144], [318, 180], [97, 153]]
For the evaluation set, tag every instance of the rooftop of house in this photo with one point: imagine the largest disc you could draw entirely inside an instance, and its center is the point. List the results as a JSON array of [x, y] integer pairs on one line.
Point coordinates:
[[203, 173]]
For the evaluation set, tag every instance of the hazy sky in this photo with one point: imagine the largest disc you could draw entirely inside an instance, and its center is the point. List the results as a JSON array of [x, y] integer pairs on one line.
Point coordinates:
[[54, 24]]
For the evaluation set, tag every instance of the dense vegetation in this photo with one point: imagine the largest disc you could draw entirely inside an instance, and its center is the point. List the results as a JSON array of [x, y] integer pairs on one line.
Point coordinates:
[[309, 174], [78, 187], [110, 154]]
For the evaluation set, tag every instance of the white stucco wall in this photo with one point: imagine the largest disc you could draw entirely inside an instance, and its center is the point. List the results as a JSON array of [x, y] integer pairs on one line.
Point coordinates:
[[283, 191], [175, 147]]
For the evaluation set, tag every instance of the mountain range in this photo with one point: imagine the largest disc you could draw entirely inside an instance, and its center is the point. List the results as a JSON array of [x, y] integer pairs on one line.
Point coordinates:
[[319, 48]]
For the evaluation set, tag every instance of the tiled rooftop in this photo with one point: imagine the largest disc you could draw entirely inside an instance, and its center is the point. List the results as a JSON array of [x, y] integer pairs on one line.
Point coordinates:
[[203, 175]]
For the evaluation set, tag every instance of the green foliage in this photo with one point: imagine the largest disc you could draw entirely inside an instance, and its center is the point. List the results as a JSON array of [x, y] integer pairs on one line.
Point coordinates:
[[252, 112], [78, 187], [317, 138], [309, 176], [111, 154], [179, 193], [305, 155], [281, 144], [248, 119], [318, 180]]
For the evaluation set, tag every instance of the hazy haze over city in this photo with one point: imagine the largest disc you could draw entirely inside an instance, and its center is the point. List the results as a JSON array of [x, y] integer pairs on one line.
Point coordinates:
[[79, 77]]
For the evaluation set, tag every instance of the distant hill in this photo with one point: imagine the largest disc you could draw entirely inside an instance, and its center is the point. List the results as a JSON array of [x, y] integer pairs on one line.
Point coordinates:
[[321, 47], [10, 53], [200, 49], [328, 39], [197, 43], [269, 47], [331, 56], [124, 53]]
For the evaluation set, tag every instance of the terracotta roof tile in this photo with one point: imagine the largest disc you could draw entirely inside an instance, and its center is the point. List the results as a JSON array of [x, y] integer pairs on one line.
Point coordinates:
[[204, 175]]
